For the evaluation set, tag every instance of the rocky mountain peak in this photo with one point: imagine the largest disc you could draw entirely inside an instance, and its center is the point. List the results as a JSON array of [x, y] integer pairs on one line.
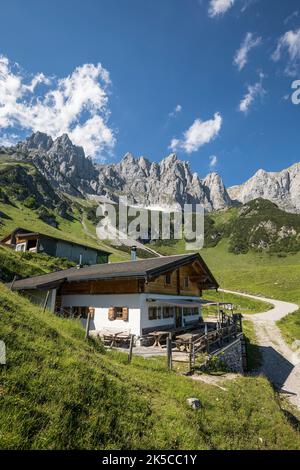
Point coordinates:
[[147, 183], [217, 191], [65, 141], [282, 188], [64, 148], [128, 158], [37, 140], [170, 159]]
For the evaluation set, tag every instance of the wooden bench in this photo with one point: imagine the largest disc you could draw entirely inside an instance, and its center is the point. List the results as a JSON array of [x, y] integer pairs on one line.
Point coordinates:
[[159, 336]]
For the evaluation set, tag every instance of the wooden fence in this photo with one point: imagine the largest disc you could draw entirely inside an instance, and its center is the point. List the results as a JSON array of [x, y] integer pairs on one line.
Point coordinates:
[[199, 343]]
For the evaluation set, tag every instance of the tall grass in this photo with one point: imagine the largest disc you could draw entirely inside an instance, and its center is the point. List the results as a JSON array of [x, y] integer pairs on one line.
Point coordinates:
[[58, 391]]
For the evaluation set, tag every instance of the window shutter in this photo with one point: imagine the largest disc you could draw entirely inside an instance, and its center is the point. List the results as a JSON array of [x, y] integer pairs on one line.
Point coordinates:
[[111, 313], [125, 313]]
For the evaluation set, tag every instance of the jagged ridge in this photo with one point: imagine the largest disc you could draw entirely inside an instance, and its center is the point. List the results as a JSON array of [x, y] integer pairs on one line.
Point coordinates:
[[167, 183]]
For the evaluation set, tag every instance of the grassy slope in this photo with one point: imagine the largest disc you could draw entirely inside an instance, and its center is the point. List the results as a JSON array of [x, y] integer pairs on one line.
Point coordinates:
[[290, 328], [256, 273], [261, 274], [27, 264], [18, 215], [240, 304], [58, 391]]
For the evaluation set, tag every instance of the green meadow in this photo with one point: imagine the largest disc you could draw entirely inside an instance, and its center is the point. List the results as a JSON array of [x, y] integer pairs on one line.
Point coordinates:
[[273, 275], [58, 391]]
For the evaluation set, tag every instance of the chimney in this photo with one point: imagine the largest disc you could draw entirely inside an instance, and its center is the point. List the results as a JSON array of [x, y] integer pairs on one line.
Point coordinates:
[[133, 253], [80, 265]]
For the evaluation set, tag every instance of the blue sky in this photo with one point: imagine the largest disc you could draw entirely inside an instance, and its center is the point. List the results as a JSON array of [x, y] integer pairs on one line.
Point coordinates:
[[208, 79]]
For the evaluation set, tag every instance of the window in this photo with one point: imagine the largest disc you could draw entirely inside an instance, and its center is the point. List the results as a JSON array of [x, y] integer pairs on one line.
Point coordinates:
[[168, 279], [155, 313], [186, 282], [190, 311], [32, 245], [168, 312], [118, 313], [21, 247]]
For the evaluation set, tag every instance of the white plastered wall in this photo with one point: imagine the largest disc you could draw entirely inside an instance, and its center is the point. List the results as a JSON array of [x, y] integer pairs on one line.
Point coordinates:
[[102, 303], [138, 311]]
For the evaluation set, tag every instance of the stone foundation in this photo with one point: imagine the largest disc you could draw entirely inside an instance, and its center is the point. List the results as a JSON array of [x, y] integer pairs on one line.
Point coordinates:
[[232, 356]]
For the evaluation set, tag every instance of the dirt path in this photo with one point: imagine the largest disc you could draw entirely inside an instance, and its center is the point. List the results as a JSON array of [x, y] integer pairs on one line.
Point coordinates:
[[280, 363]]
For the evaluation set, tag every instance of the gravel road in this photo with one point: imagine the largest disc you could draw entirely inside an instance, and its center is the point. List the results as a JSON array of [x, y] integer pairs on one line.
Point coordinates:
[[281, 364]]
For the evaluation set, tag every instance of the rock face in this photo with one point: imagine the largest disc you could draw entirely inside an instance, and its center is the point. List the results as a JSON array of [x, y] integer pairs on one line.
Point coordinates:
[[169, 183], [216, 191], [62, 163], [165, 184], [282, 188]]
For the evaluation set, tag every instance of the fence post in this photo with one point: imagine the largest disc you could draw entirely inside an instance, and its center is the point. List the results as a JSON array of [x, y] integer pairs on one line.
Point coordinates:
[[169, 352], [193, 356], [241, 323], [190, 356], [13, 282], [130, 348], [46, 300], [87, 326], [206, 337]]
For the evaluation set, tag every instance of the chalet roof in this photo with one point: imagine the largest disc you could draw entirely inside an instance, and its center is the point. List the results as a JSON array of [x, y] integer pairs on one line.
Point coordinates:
[[141, 269], [28, 233]]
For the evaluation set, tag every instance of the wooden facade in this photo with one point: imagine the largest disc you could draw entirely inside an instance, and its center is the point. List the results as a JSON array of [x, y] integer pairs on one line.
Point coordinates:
[[184, 281], [114, 286]]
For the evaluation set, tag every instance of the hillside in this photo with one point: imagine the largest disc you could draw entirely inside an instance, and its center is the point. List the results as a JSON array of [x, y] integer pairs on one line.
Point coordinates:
[[251, 248], [27, 264], [257, 226], [27, 200], [260, 272], [59, 392]]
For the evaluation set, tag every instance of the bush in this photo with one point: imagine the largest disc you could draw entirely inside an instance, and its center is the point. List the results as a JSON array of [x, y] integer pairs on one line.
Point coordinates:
[[30, 202]]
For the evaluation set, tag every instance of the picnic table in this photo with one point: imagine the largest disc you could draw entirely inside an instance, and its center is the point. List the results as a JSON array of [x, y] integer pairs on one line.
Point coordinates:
[[158, 337], [112, 338], [183, 341]]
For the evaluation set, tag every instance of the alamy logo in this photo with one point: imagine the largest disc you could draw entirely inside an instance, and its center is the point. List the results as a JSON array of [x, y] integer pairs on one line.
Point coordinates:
[[2, 353], [296, 94], [120, 222]]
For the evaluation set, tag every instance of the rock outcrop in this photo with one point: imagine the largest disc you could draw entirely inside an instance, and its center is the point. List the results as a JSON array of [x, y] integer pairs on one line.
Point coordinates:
[[168, 183], [282, 188]]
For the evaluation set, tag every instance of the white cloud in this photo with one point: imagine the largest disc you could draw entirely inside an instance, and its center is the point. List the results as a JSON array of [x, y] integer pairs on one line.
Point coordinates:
[[219, 7], [290, 42], [36, 80], [93, 134], [176, 110], [241, 56], [254, 91], [213, 161], [76, 104], [8, 140], [199, 134]]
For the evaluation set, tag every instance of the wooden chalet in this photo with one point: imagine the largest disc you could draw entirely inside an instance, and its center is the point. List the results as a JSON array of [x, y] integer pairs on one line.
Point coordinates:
[[136, 296]]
